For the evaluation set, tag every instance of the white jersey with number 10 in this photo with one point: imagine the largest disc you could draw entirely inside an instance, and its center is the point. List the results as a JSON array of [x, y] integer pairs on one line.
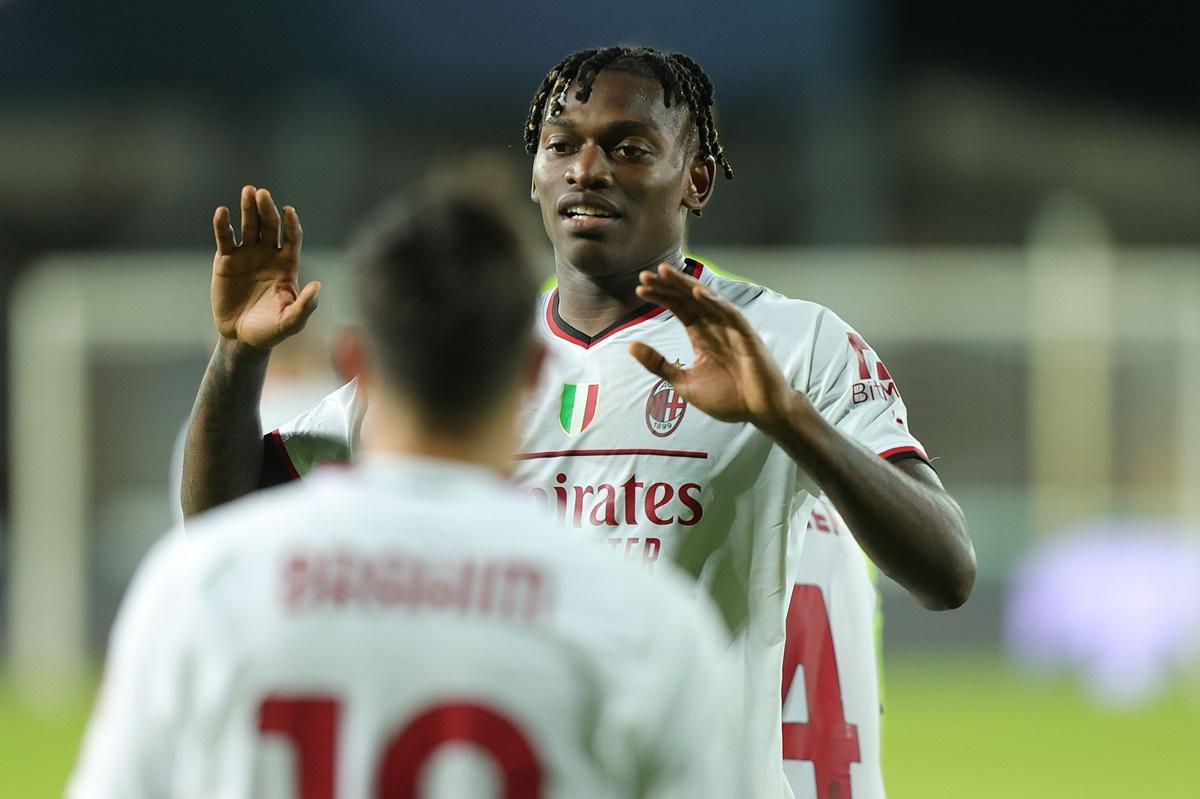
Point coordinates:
[[405, 628]]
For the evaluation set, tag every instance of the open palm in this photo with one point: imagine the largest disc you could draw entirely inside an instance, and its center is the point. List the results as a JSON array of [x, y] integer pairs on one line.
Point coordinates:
[[733, 378], [256, 295]]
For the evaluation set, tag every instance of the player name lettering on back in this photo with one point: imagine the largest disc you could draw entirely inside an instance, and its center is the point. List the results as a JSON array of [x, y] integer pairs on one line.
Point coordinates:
[[342, 579], [631, 502]]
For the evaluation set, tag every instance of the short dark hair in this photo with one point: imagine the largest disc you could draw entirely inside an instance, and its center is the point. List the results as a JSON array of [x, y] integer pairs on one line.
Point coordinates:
[[447, 293], [680, 77]]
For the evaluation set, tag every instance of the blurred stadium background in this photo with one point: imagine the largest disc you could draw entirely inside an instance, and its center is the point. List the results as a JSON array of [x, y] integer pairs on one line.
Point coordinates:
[[1007, 206]]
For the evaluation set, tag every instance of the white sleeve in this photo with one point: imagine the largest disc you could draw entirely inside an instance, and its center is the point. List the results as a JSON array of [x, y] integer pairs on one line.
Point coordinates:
[[696, 745], [856, 393], [326, 434], [127, 750]]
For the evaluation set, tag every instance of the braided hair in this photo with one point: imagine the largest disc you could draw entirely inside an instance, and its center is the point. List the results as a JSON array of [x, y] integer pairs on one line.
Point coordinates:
[[681, 78]]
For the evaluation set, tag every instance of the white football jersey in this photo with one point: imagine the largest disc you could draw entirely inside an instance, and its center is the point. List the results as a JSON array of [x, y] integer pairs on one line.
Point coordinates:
[[611, 449], [831, 711], [407, 627]]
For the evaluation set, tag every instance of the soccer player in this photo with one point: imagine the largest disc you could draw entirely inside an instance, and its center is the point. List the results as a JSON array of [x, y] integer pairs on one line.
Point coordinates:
[[831, 701], [410, 626], [749, 404]]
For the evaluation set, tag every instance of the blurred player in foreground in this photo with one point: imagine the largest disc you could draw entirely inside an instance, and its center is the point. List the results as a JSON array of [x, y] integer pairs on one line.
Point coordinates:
[[750, 403], [410, 626]]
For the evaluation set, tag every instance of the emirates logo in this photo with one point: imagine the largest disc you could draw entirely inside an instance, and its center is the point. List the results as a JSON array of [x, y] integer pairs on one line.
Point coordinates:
[[664, 409]]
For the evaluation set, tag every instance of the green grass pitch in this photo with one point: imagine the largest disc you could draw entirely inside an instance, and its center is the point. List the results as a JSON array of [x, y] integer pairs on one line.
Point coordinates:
[[954, 727]]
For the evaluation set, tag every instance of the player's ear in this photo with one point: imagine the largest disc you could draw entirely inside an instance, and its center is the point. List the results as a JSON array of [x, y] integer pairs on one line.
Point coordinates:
[[534, 366], [533, 195], [702, 178], [349, 353]]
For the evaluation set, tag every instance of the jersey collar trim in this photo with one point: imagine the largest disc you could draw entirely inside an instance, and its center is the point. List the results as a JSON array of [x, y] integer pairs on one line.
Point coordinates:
[[566, 332]]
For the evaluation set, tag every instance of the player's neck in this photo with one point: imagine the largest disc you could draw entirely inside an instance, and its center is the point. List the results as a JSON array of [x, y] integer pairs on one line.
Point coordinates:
[[395, 429], [590, 304]]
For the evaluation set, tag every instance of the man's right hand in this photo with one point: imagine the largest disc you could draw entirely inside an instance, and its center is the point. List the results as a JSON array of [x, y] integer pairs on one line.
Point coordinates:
[[256, 296]]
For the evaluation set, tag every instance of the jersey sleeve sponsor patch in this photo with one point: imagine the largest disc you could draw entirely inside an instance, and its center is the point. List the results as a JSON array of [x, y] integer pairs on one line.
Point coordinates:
[[853, 388]]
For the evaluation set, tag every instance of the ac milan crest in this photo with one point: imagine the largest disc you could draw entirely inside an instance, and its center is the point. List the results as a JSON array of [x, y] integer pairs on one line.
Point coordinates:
[[664, 409]]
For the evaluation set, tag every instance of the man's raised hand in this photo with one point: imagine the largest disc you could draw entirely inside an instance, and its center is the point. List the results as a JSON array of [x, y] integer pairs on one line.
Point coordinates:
[[256, 296], [733, 378]]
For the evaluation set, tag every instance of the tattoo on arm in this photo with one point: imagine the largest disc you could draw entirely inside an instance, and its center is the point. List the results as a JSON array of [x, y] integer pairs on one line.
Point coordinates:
[[222, 457]]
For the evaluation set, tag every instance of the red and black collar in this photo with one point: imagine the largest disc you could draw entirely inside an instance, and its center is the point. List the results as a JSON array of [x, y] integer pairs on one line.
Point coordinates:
[[649, 310]]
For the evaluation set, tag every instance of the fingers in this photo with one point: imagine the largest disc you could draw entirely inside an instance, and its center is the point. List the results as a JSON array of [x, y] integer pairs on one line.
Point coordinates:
[[249, 216], [654, 362], [718, 307], [699, 299], [682, 307], [268, 216], [223, 231], [673, 279], [671, 288], [653, 288], [296, 315], [293, 234]]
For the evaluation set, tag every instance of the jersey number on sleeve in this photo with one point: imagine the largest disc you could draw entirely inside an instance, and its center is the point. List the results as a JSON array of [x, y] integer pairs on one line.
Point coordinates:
[[861, 348], [310, 723], [825, 739]]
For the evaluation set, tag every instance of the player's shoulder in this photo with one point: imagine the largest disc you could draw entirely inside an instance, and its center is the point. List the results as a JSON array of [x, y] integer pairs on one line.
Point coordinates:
[[277, 504], [239, 530], [771, 312], [163, 565], [379, 490], [756, 300], [173, 573]]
